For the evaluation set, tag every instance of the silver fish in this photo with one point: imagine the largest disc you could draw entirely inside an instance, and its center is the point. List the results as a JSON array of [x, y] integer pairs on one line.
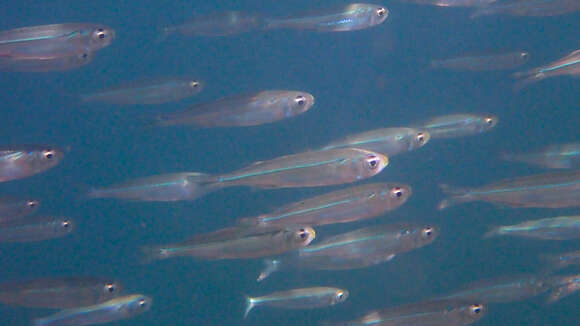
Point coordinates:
[[459, 125], [15, 208], [559, 156], [388, 141], [17, 162], [553, 228], [566, 66], [502, 290], [530, 8], [217, 24], [505, 61], [37, 228]]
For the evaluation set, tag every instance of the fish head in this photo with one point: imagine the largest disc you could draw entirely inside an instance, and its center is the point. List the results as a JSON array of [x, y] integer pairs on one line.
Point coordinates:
[[420, 138], [339, 296], [303, 236], [488, 121], [137, 304], [378, 15], [524, 56], [101, 37], [29, 206], [110, 289], [295, 103], [63, 225], [45, 158], [369, 163], [470, 313], [416, 236], [396, 194], [194, 86]]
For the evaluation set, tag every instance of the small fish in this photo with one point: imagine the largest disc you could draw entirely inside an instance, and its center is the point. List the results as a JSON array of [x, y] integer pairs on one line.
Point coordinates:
[[429, 313], [17, 162], [549, 190], [459, 125], [147, 92], [217, 24], [530, 8], [35, 229], [502, 290], [236, 243], [388, 141], [54, 63], [559, 156], [54, 40], [451, 3], [106, 312], [59, 293], [566, 66], [505, 61], [355, 16], [306, 298], [559, 261], [563, 286], [553, 228], [15, 208], [356, 249], [241, 110], [346, 205]]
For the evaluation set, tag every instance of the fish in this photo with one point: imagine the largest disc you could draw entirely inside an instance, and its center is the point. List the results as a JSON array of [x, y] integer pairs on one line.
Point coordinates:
[[36, 228], [244, 110], [14, 208], [346, 205], [562, 260], [502, 290], [563, 286], [148, 92], [553, 228], [237, 243], [451, 3], [388, 141], [309, 169], [356, 249], [558, 156], [106, 312], [569, 65], [504, 61], [54, 40], [59, 293], [22, 161], [352, 17], [305, 298], [63, 62], [459, 125], [218, 24], [548, 190], [529, 8], [429, 313]]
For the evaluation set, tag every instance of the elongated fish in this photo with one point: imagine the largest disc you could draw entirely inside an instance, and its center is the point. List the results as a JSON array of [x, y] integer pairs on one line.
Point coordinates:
[[13, 208], [217, 24], [429, 313], [63, 62], [502, 290], [147, 92], [106, 312], [309, 169], [352, 17], [36, 228], [17, 162], [59, 293], [236, 245], [451, 3], [559, 156], [459, 125], [388, 141], [505, 61], [562, 286], [346, 205], [532, 8], [566, 66], [553, 228], [54, 40], [306, 298], [241, 110], [356, 249], [550, 190]]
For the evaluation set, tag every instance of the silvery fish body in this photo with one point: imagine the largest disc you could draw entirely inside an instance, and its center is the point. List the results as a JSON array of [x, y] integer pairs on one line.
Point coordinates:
[[36, 228], [531, 8], [566, 66], [17, 162], [502, 290], [217, 24], [459, 125], [559, 156], [388, 141], [553, 228], [505, 61], [12, 208]]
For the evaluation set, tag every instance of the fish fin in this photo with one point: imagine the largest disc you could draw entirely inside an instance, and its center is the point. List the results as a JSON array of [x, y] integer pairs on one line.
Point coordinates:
[[153, 253], [558, 293], [456, 196], [248, 221], [495, 231], [249, 306], [526, 78], [271, 266]]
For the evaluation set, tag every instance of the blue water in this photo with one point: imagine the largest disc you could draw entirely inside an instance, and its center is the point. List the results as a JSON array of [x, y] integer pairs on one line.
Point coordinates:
[[361, 80]]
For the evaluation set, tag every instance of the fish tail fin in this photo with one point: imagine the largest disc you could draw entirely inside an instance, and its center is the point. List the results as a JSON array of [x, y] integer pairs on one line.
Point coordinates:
[[494, 231], [95, 193], [270, 266], [153, 253], [456, 196], [560, 292], [248, 221], [526, 78], [250, 304], [272, 23]]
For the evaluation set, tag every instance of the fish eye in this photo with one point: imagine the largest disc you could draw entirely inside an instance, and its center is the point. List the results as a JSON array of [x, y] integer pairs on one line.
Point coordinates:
[[476, 309], [142, 303], [300, 100], [65, 224], [525, 54], [489, 120], [101, 33], [397, 192], [111, 288], [421, 138], [31, 203], [48, 154], [302, 234], [373, 162], [193, 84], [84, 55], [381, 12], [428, 231], [340, 295]]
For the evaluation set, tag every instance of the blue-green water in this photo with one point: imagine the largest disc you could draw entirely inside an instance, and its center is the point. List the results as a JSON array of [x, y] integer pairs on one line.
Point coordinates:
[[361, 80]]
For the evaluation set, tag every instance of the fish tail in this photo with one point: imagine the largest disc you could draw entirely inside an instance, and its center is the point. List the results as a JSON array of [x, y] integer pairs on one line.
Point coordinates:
[[526, 78], [271, 23], [248, 221], [153, 253], [95, 193], [39, 322], [250, 304], [456, 196], [495, 231], [164, 33], [560, 292], [270, 266]]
